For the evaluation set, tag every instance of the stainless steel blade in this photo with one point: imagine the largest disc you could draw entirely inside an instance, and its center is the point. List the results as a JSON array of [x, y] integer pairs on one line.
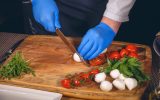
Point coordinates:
[[70, 45]]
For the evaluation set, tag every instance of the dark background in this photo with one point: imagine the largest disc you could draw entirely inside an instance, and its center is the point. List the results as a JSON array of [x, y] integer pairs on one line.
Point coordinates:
[[143, 25]]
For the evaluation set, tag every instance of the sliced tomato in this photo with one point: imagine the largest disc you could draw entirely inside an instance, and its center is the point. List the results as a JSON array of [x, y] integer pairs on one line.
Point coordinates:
[[133, 54], [94, 72], [76, 82], [114, 55], [98, 60], [124, 52], [131, 48], [66, 83], [102, 56], [85, 76]]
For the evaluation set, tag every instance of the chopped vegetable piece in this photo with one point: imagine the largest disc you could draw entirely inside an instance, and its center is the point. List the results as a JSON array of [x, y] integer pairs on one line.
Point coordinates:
[[94, 72], [133, 54], [66, 83], [124, 52], [114, 55], [77, 83], [131, 48]]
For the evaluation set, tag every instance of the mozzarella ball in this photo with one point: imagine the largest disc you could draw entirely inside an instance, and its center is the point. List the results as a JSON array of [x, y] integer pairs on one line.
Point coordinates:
[[119, 84], [122, 77], [100, 77], [104, 51], [115, 73], [76, 57], [106, 86], [131, 83]]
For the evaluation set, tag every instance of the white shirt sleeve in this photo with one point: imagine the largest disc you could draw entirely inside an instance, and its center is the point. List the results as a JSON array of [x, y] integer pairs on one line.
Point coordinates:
[[118, 10]]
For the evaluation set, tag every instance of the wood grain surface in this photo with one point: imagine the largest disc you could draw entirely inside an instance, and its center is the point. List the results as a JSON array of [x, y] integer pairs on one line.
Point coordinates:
[[52, 60]]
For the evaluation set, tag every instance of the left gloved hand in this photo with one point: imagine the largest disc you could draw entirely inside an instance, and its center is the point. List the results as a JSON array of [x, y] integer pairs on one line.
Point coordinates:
[[95, 41], [46, 13]]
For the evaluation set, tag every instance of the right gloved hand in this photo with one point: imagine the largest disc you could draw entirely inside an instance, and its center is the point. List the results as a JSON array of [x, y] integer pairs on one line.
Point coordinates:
[[46, 13]]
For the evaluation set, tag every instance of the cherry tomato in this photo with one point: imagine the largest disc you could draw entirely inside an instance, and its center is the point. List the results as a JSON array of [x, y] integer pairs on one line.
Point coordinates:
[[102, 56], [76, 82], [94, 72], [98, 60], [114, 55], [133, 54], [85, 76], [131, 48], [66, 83], [124, 52]]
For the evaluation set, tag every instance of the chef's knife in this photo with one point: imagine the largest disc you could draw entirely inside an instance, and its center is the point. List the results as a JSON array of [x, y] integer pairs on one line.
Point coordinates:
[[70, 45]]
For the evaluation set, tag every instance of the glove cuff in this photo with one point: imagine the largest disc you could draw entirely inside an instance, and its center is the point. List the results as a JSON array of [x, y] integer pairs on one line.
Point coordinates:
[[107, 28]]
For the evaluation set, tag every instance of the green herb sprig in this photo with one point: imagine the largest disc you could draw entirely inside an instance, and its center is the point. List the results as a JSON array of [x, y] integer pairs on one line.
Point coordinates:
[[16, 67], [129, 67]]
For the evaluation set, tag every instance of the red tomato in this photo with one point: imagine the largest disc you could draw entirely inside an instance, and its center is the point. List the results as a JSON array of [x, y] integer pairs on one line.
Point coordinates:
[[131, 48], [77, 83], [114, 55], [124, 52], [66, 83], [102, 56], [94, 72], [85, 76], [133, 54], [96, 62]]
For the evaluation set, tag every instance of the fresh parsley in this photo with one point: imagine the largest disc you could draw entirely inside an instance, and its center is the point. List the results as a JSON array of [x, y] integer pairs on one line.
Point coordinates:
[[15, 68]]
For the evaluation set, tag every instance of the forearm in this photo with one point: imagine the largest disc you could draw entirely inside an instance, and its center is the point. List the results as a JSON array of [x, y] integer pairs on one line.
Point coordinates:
[[113, 24], [118, 10]]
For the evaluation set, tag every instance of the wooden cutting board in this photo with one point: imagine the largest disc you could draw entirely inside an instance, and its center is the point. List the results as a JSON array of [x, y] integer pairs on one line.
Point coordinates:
[[52, 60]]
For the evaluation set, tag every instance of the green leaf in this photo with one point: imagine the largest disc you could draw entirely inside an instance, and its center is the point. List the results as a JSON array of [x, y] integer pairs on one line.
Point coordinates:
[[116, 65], [139, 75], [121, 68], [109, 62], [124, 60], [127, 71], [108, 70]]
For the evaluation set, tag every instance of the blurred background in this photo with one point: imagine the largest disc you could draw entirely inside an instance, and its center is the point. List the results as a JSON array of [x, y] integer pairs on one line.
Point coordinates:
[[143, 25]]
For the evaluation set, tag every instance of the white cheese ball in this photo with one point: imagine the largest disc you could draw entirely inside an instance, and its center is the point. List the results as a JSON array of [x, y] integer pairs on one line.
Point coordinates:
[[76, 57], [131, 83], [119, 84], [122, 77], [105, 50], [100, 77], [106, 86], [115, 73]]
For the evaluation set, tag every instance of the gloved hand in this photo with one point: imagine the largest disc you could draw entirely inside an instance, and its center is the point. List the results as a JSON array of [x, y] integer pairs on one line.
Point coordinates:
[[95, 41], [46, 13]]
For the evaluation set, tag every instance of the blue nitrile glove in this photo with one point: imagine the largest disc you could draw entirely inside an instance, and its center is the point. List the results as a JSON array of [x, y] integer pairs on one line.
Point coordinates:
[[95, 41], [46, 13]]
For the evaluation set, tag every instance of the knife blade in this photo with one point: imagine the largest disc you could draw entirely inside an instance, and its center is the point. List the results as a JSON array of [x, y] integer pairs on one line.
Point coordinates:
[[70, 45]]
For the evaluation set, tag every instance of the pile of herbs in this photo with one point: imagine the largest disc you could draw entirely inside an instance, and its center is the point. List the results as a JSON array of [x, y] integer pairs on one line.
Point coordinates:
[[129, 67], [16, 67]]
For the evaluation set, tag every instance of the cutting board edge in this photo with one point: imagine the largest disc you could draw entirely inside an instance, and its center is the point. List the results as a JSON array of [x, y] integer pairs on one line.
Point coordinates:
[[72, 93]]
